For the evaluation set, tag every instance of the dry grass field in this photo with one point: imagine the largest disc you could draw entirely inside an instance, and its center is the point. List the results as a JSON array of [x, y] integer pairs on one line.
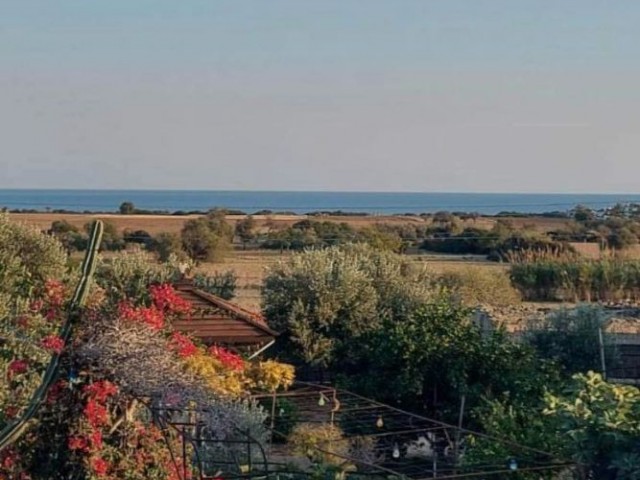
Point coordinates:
[[155, 224]]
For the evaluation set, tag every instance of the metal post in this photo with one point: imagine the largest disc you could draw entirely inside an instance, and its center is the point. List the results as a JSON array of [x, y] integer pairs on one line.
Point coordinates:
[[603, 362], [456, 453]]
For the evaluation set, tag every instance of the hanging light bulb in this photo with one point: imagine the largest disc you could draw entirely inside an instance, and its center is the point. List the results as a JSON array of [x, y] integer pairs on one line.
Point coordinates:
[[396, 451], [380, 422], [323, 401]]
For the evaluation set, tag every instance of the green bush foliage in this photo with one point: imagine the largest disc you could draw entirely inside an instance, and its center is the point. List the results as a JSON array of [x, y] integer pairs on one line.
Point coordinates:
[[475, 286], [221, 284], [570, 338], [324, 300], [308, 234], [601, 423], [575, 279], [27, 259], [207, 238]]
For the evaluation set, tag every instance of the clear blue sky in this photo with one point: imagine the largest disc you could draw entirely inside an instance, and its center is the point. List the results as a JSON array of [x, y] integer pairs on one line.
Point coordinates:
[[427, 95]]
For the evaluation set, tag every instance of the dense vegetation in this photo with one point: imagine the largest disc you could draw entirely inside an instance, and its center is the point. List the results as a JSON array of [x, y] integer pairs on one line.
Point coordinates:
[[123, 356], [372, 322], [550, 277]]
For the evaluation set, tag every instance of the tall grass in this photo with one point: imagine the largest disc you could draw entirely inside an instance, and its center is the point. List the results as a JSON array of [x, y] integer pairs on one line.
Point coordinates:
[[545, 276]]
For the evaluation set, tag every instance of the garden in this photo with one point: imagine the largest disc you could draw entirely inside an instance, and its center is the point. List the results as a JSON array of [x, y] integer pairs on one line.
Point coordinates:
[[99, 385]]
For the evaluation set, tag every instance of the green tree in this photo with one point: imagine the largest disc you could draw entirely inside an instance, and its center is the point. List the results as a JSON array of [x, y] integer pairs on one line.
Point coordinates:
[[323, 301], [245, 230], [220, 284], [127, 208], [207, 238], [69, 235], [570, 338], [166, 244]]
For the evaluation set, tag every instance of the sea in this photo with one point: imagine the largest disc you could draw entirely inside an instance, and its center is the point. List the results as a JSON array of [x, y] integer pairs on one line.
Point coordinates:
[[372, 203]]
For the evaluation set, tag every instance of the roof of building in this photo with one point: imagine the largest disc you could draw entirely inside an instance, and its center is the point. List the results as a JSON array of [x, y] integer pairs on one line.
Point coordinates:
[[215, 320]]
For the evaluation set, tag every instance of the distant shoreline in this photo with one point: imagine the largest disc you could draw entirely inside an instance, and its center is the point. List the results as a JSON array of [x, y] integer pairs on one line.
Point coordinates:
[[180, 203]]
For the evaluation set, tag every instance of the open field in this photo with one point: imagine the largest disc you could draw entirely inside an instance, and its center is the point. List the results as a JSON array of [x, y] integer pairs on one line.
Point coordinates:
[[155, 224]]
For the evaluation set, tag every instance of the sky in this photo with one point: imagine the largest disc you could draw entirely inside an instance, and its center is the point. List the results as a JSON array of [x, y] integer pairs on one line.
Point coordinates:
[[337, 95]]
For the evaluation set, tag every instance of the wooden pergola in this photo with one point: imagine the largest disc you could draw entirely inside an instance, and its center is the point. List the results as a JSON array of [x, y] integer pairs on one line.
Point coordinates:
[[216, 321]]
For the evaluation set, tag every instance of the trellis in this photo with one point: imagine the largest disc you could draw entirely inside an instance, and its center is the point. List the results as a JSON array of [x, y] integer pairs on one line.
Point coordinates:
[[399, 443]]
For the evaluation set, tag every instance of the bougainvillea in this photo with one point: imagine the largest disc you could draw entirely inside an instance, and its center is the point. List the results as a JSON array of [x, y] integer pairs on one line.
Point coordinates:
[[229, 359], [166, 299], [94, 423]]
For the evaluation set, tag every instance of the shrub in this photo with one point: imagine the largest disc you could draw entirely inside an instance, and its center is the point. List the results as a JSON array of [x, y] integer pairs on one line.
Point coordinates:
[[324, 300], [207, 238], [571, 338], [321, 443], [128, 275], [222, 285], [475, 286], [167, 244], [27, 259], [566, 278]]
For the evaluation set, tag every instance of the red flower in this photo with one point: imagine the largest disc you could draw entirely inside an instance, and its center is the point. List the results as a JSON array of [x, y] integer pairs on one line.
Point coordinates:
[[78, 442], [53, 343], [8, 459], [165, 298], [54, 293], [99, 466], [23, 321], [95, 413], [17, 367], [182, 345], [55, 391], [96, 440], [36, 305], [230, 360], [101, 390], [151, 316], [11, 411]]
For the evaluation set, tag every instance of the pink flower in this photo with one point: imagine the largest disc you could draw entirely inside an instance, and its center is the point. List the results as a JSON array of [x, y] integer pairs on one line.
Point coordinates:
[[78, 442], [17, 367], [182, 345], [230, 360], [165, 298], [100, 390], [53, 343], [99, 466]]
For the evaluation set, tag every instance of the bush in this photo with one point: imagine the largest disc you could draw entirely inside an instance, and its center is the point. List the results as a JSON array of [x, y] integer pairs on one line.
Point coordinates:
[[324, 300], [111, 238], [128, 275], [27, 259], [571, 339], [68, 235], [321, 443], [141, 237], [167, 244], [475, 286], [285, 417], [554, 278], [207, 238], [222, 285]]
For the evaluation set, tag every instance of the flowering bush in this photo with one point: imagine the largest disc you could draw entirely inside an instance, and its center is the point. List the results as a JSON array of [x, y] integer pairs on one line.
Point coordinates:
[[92, 423]]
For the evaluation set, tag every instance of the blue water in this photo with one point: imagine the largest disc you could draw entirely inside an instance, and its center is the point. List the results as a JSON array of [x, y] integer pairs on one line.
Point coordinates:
[[303, 202]]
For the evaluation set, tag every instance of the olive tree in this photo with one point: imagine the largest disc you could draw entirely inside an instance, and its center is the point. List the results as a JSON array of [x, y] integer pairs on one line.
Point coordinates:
[[325, 300]]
